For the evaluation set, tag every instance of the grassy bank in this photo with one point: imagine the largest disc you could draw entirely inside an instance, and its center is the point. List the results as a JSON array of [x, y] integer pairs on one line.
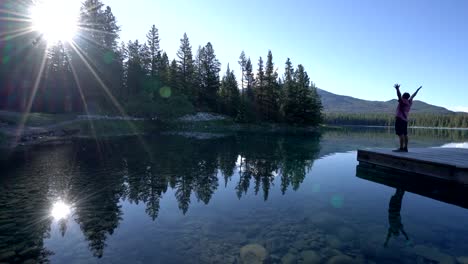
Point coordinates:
[[34, 119], [44, 128], [105, 128]]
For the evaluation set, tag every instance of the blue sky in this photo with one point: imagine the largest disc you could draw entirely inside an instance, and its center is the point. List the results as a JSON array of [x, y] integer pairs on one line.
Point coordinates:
[[358, 48]]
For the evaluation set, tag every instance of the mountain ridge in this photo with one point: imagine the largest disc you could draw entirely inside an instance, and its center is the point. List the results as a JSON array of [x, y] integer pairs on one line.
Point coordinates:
[[334, 103]]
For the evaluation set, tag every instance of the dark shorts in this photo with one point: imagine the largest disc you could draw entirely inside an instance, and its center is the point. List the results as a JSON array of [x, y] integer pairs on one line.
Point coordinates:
[[401, 127]]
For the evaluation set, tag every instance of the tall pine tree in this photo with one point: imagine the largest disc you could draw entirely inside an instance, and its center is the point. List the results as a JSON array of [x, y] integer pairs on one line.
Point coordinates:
[[267, 91], [186, 68], [209, 88], [229, 94], [96, 59], [154, 51]]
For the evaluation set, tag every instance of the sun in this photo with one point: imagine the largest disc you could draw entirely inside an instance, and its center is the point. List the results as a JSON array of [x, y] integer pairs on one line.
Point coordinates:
[[60, 210], [56, 20]]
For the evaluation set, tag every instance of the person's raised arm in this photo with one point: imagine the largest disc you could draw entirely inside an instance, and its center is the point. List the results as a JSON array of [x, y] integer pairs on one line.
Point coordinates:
[[397, 87], [415, 93]]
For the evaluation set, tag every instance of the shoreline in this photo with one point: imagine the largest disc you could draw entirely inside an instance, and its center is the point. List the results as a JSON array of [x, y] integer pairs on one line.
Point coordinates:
[[60, 130], [105, 129]]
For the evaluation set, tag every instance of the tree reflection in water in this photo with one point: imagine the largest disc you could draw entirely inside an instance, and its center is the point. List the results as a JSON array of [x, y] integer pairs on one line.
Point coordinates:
[[96, 176]]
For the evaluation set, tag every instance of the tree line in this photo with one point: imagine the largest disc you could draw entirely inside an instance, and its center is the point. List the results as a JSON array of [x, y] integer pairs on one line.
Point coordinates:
[[455, 120], [97, 73]]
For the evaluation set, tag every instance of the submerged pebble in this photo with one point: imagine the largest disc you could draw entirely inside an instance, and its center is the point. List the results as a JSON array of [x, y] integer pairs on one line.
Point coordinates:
[[289, 259], [342, 259], [463, 259], [253, 254], [433, 254], [310, 257]]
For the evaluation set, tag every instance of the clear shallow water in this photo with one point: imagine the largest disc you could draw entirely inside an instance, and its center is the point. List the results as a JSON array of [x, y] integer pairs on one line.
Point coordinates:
[[179, 200]]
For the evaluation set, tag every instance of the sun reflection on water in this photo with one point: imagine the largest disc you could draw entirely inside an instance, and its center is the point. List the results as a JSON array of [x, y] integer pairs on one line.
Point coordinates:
[[60, 210]]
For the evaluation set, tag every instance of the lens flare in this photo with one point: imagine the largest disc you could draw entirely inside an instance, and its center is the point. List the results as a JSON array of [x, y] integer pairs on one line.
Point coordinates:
[[56, 20], [60, 210]]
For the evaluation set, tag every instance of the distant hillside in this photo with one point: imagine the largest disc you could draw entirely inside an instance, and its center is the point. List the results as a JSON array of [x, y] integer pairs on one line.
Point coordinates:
[[334, 103]]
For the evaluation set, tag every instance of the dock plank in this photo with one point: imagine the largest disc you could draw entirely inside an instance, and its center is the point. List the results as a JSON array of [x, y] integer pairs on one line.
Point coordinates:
[[446, 163]]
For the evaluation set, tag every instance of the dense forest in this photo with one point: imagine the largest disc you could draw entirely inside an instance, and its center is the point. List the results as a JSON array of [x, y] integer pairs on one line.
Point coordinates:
[[455, 120], [96, 73]]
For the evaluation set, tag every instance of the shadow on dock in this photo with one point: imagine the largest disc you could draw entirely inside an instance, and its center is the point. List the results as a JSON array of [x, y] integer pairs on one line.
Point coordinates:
[[437, 189]]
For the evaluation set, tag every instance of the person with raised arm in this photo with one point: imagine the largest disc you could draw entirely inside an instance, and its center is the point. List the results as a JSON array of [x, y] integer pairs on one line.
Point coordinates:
[[405, 102]]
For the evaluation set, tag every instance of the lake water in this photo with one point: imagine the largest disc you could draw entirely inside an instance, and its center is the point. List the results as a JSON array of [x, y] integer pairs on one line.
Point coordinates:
[[236, 199]]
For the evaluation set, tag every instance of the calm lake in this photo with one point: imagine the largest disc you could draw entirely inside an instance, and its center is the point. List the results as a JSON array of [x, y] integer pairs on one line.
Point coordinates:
[[240, 198]]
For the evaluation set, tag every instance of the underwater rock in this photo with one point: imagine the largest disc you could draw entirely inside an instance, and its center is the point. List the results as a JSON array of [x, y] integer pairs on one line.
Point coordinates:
[[310, 257], [330, 252], [345, 233], [299, 245], [275, 244], [289, 259], [334, 242], [463, 259], [253, 254], [342, 259], [433, 254], [293, 251]]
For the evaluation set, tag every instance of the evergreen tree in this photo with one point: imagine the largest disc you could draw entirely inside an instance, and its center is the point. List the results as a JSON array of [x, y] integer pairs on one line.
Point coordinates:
[[136, 68], [209, 88], [154, 51], [164, 69], [55, 95], [301, 105], [229, 93], [122, 87], [243, 64], [316, 117], [111, 30], [173, 76], [186, 68], [267, 91], [291, 95], [96, 59], [259, 91], [199, 73], [250, 79]]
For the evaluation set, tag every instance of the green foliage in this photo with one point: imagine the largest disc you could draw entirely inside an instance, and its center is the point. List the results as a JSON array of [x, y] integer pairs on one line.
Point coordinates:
[[300, 102], [229, 94], [268, 91], [186, 69], [99, 76], [382, 119], [207, 72], [161, 104], [154, 52]]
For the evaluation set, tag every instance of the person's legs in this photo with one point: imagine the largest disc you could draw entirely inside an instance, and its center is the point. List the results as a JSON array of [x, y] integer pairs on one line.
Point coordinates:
[[399, 130], [405, 133]]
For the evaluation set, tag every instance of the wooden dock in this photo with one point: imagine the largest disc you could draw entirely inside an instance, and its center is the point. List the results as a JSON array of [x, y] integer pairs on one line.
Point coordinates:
[[443, 163], [438, 189]]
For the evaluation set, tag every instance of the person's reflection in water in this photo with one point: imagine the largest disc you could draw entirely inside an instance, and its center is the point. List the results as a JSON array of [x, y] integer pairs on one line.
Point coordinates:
[[394, 217]]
